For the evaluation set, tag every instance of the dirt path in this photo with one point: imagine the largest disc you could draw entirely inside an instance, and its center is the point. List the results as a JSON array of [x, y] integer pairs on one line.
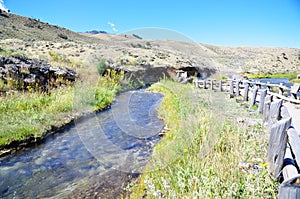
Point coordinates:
[[294, 111]]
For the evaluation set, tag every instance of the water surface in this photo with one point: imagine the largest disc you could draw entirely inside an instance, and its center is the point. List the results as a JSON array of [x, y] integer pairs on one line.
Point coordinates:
[[93, 151]]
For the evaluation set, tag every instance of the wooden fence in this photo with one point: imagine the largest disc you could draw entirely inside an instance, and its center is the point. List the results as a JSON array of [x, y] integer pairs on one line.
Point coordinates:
[[283, 154]]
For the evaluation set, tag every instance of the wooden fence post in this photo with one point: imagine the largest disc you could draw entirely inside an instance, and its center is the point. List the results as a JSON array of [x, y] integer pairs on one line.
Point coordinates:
[[267, 105], [294, 89], [220, 86], [284, 113], [231, 91], [196, 83], [268, 87], [211, 84], [263, 95], [258, 84], [246, 92], [277, 145], [238, 87], [289, 169], [274, 112], [289, 190], [294, 141], [280, 91], [204, 84], [253, 99]]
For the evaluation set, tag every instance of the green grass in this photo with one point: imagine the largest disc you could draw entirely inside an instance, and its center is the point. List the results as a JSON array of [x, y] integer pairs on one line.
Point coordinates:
[[31, 114], [289, 76], [295, 81], [58, 58], [10, 52], [101, 67], [204, 149]]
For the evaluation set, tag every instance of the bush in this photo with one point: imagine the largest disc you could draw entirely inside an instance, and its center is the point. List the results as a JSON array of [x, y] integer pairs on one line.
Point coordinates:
[[56, 57], [10, 52], [101, 66], [63, 36]]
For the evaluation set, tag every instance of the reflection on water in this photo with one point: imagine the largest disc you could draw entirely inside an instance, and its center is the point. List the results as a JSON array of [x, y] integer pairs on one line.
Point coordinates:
[[86, 151]]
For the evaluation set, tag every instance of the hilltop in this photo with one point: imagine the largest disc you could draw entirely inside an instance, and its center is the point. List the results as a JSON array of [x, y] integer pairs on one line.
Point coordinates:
[[39, 39]]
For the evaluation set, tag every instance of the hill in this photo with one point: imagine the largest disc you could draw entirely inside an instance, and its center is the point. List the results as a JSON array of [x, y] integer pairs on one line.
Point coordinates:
[[29, 30], [39, 39]]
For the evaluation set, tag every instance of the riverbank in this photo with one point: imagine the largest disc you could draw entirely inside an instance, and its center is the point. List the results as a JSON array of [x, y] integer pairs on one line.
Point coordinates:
[[214, 148], [290, 76], [27, 117]]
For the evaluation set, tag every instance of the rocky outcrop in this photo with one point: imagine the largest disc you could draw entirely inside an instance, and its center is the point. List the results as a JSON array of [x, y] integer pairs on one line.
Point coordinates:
[[20, 72], [146, 73]]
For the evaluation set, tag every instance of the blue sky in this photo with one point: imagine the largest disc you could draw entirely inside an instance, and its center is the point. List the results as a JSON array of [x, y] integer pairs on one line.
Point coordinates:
[[219, 22]]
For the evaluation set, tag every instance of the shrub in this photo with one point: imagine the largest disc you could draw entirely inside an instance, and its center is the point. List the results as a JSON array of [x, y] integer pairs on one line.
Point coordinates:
[[101, 66], [63, 36], [59, 58]]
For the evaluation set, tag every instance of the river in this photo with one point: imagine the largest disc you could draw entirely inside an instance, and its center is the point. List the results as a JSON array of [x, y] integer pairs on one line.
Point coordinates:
[[93, 157], [284, 81]]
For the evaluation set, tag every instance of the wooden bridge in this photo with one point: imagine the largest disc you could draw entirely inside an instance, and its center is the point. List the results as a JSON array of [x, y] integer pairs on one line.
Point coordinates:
[[280, 108]]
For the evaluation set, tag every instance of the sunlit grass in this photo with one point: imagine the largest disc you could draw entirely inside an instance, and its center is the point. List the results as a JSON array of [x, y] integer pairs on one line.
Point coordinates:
[[31, 114], [289, 76], [297, 80], [204, 148]]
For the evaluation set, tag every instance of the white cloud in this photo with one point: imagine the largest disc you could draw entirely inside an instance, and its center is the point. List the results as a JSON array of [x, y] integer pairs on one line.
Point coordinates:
[[113, 26], [2, 7]]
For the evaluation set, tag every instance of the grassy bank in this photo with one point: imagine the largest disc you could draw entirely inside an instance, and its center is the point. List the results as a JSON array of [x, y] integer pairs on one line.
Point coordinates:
[[289, 76], [31, 114], [212, 149]]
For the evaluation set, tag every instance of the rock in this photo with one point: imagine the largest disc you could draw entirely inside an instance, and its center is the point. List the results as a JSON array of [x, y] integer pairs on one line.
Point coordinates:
[[30, 79], [145, 73], [30, 72], [244, 165]]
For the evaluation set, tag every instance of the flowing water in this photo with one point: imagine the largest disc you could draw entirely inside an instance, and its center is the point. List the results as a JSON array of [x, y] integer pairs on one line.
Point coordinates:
[[94, 152], [285, 81]]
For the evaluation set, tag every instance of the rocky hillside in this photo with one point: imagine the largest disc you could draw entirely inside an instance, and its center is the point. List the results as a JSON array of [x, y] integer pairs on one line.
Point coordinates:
[[29, 30], [44, 41], [24, 74]]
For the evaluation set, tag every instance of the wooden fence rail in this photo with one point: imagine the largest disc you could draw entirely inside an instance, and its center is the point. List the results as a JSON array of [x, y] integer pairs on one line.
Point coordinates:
[[283, 153]]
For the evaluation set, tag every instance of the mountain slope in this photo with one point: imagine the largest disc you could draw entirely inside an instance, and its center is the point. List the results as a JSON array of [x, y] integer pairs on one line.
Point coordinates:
[[29, 29]]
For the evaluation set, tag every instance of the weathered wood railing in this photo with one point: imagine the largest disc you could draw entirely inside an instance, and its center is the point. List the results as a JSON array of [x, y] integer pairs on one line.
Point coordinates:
[[283, 154]]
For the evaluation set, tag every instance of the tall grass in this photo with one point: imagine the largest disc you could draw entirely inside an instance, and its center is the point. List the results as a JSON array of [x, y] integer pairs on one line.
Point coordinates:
[[207, 152], [10, 52], [30, 114]]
